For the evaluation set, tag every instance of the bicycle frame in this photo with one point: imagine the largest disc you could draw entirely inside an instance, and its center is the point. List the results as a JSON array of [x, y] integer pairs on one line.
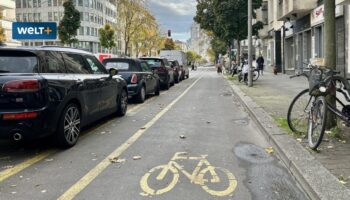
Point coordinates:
[[193, 177]]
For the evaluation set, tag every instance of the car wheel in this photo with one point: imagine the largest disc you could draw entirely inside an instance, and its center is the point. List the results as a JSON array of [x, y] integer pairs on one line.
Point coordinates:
[[177, 79], [173, 82], [167, 85], [122, 104], [69, 126], [157, 89], [141, 96]]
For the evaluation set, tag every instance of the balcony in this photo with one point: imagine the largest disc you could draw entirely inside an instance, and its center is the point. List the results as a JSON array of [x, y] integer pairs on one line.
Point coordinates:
[[7, 4], [294, 9]]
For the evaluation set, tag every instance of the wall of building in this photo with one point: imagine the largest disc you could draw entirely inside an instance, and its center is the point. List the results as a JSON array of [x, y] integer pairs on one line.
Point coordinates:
[[7, 11]]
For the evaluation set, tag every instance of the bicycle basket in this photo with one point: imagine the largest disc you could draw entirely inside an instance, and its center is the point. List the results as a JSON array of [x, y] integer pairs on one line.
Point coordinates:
[[315, 79]]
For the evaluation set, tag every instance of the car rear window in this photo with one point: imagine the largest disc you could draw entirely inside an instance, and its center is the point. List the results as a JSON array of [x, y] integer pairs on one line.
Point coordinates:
[[18, 62], [154, 62], [121, 66]]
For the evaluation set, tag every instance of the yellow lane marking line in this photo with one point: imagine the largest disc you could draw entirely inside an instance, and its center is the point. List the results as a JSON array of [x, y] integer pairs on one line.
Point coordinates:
[[202, 174], [99, 168], [14, 170]]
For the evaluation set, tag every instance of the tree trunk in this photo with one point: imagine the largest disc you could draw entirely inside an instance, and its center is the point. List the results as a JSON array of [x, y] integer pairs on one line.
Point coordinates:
[[330, 53], [126, 47], [238, 54]]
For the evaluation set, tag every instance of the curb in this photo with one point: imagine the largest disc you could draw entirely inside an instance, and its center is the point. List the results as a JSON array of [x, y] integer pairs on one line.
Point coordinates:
[[314, 178]]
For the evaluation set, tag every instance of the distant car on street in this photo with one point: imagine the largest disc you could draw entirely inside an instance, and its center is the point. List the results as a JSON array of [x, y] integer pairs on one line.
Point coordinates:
[[180, 57], [161, 67], [55, 91], [178, 71], [139, 76]]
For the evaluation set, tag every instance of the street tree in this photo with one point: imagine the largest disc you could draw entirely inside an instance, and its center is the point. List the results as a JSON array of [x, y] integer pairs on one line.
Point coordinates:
[[219, 47], [330, 54], [193, 57], [2, 34], [169, 44], [107, 37], [227, 19], [130, 17], [70, 23]]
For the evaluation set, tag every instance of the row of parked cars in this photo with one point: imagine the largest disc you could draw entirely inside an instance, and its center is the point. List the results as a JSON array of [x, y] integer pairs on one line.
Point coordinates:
[[55, 91]]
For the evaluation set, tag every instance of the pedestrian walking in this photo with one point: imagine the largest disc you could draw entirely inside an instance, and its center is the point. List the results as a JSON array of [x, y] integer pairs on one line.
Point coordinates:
[[260, 62]]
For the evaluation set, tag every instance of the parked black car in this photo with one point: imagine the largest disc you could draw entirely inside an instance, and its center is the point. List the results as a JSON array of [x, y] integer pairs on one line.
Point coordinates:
[[162, 67], [55, 91], [139, 76], [177, 70]]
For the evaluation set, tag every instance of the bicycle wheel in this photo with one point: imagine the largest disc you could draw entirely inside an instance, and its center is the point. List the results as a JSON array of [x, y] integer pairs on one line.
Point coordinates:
[[297, 116], [256, 75], [170, 184], [229, 177], [317, 122]]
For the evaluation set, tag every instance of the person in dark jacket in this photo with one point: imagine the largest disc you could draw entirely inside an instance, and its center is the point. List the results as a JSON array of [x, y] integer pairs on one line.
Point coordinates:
[[260, 62]]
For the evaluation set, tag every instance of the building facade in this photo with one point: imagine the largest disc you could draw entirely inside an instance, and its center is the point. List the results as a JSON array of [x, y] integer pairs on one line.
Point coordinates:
[[94, 14], [294, 34], [199, 41], [7, 13]]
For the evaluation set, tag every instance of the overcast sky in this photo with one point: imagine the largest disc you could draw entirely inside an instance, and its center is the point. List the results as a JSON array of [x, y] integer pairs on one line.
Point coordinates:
[[176, 15]]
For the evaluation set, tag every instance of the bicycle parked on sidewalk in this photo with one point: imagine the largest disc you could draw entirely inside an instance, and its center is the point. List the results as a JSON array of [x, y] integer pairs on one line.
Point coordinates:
[[321, 83]]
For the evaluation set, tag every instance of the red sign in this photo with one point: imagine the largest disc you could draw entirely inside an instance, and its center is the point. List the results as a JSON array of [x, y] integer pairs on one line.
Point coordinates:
[[101, 56]]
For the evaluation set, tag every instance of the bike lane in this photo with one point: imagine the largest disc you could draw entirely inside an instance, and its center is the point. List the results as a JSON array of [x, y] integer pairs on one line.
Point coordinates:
[[204, 147]]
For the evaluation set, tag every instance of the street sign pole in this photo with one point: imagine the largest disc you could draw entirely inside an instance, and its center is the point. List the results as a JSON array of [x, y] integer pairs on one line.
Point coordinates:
[[250, 75]]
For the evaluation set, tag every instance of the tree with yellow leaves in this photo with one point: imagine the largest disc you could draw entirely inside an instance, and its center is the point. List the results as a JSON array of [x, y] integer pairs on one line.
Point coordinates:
[[2, 34]]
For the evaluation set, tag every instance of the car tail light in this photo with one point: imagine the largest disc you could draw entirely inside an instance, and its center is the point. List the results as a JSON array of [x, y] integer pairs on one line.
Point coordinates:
[[17, 116], [162, 69], [21, 86], [134, 78]]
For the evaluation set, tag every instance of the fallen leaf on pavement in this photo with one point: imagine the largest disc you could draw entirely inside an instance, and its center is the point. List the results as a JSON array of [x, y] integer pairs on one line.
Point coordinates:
[[330, 147], [49, 159], [13, 185], [269, 150], [182, 136], [143, 128], [342, 182], [113, 160], [299, 140], [43, 191], [136, 157]]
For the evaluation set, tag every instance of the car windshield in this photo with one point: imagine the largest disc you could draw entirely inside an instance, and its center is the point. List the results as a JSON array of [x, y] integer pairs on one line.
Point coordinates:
[[18, 64], [154, 62], [121, 66]]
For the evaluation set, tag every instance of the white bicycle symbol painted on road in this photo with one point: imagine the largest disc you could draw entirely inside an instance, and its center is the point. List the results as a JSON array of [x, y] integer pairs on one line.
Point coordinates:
[[197, 176]]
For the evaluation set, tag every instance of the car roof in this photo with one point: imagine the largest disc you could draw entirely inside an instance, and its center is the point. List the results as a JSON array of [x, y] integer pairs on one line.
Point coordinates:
[[47, 48], [159, 58], [122, 59]]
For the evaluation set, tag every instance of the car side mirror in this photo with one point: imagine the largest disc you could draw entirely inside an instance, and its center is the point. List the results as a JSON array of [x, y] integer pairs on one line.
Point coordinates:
[[113, 72]]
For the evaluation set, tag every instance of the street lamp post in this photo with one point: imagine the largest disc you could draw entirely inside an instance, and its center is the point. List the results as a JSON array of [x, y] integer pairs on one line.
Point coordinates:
[[250, 77]]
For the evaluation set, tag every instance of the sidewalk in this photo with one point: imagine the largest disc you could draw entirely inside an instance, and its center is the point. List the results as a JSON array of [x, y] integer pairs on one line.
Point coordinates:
[[270, 98]]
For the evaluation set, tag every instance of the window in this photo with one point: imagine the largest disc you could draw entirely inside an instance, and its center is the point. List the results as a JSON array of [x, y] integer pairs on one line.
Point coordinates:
[[55, 16], [49, 2], [39, 17], [86, 16], [81, 16], [54, 63], [54, 2], [80, 2], [95, 66], [50, 16], [86, 3], [30, 4], [25, 19], [91, 17], [121, 66], [75, 64], [34, 3], [18, 62], [18, 17], [39, 3], [30, 17], [18, 3], [87, 30], [81, 30], [145, 67]]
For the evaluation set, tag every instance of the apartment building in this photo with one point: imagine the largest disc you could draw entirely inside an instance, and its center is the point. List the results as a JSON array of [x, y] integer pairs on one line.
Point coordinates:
[[94, 14], [199, 41], [7, 13]]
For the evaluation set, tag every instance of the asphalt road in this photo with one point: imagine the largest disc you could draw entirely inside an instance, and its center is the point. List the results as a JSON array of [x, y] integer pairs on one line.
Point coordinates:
[[195, 141]]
